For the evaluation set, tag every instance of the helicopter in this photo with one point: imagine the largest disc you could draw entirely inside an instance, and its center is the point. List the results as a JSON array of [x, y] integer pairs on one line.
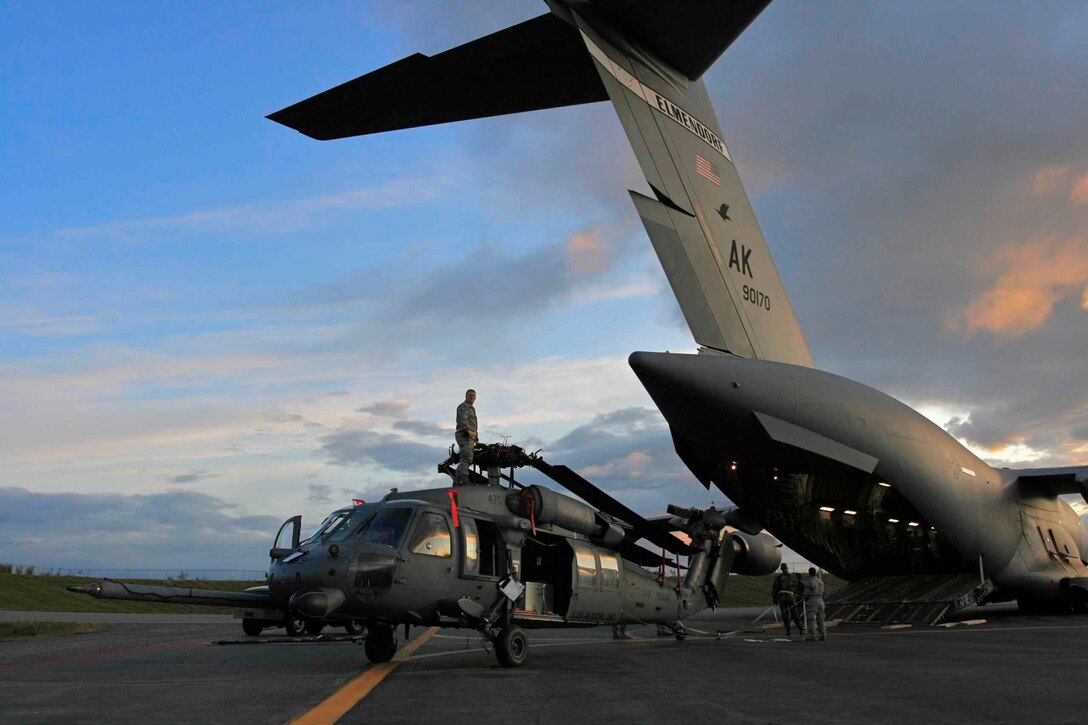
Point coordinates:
[[493, 555]]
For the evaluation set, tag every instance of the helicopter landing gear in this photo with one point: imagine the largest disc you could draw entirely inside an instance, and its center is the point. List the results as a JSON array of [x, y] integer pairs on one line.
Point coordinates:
[[679, 631], [510, 642], [314, 626], [354, 627], [252, 627], [381, 643], [511, 646], [294, 624]]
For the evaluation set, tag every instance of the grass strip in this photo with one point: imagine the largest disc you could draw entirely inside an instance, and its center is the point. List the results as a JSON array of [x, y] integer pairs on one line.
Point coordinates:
[[23, 630]]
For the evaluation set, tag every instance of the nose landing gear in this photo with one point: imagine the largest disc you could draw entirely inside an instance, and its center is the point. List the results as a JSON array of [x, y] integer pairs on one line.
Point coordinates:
[[381, 643]]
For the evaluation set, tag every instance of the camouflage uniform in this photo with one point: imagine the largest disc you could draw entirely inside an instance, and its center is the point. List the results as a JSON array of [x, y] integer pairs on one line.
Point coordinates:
[[814, 606], [466, 421], [783, 593]]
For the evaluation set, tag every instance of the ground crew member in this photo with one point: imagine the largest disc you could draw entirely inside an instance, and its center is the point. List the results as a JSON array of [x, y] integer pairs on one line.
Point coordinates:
[[784, 594], [814, 606], [466, 434], [799, 601]]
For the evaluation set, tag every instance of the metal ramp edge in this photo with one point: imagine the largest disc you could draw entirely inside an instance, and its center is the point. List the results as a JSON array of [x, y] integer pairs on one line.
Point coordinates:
[[914, 599]]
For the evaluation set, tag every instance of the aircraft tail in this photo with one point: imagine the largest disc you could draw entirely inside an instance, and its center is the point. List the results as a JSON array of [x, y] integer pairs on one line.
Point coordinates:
[[646, 56], [701, 224]]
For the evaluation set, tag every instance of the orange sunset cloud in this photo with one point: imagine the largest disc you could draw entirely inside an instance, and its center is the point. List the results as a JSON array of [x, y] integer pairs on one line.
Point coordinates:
[[1032, 279]]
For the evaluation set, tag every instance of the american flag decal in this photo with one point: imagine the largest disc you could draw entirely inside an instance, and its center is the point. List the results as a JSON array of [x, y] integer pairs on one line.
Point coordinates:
[[707, 170]]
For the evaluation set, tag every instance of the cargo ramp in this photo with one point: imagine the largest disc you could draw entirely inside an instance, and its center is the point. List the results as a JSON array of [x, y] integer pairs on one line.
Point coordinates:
[[919, 599]]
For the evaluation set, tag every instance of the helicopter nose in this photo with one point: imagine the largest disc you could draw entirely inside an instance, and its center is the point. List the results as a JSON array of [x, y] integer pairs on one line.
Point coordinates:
[[374, 566]]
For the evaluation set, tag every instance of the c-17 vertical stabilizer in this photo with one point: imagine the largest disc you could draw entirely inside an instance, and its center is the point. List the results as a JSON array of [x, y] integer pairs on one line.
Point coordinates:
[[701, 224]]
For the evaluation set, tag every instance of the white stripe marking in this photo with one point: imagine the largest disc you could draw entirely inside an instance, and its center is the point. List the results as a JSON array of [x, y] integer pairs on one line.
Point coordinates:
[[657, 101]]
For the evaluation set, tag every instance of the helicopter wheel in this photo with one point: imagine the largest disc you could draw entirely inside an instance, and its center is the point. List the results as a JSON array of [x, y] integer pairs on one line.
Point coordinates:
[[512, 647], [252, 627], [354, 627], [295, 625], [381, 643], [314, 626]]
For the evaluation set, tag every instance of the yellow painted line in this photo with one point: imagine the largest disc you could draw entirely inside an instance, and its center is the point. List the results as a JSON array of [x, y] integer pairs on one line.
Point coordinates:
[[348, 696]]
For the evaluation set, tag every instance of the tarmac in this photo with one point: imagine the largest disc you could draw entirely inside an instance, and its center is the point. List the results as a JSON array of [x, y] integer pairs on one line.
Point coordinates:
[[164, 668]]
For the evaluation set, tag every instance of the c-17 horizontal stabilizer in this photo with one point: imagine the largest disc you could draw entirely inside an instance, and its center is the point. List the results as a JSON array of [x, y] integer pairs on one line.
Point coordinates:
[[538, 64]]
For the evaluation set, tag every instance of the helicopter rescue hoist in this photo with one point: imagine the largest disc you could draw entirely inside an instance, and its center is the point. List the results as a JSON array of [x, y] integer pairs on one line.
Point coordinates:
[[491, 555]]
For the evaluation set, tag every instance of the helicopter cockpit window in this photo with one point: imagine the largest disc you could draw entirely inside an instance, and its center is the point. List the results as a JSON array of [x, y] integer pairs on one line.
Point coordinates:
[[432, 536], [388, 525], [351, 524], [331, 522]]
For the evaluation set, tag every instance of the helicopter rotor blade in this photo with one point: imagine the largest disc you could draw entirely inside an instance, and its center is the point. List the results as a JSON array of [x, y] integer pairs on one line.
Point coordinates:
[[598, 498]]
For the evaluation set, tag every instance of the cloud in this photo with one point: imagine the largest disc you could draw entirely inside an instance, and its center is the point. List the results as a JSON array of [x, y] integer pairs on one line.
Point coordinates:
[[629, 452], [1050, 178], [361, 447], [1032, 278], [55, 326], [320, 493], [496, 284], [386, 408], [586, 254], [277, 217], [193, 477], [424, 428], [178, 529], [275, 415], [1079, 194]]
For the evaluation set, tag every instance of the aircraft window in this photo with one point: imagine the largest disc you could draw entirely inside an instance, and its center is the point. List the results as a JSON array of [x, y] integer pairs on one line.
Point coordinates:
[[492, 549], [388, 525], [350, 524], [587, 565], [610, 570], [471, 564], [432, 537], [331, 522]]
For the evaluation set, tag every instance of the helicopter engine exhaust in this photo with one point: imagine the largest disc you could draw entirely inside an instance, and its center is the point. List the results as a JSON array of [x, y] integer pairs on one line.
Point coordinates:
[[545, 506], [318, 603]]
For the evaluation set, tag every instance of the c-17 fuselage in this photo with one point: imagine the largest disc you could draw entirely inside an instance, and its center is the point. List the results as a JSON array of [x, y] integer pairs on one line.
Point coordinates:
[[860, 483]]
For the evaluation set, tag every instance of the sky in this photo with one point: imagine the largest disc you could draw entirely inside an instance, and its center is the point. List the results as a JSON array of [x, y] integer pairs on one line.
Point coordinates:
[[210, 323]]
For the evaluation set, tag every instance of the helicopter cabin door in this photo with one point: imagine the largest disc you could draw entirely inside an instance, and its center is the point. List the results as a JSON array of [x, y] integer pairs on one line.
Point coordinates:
[[483, 559], [596, 586], [427, 563]]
